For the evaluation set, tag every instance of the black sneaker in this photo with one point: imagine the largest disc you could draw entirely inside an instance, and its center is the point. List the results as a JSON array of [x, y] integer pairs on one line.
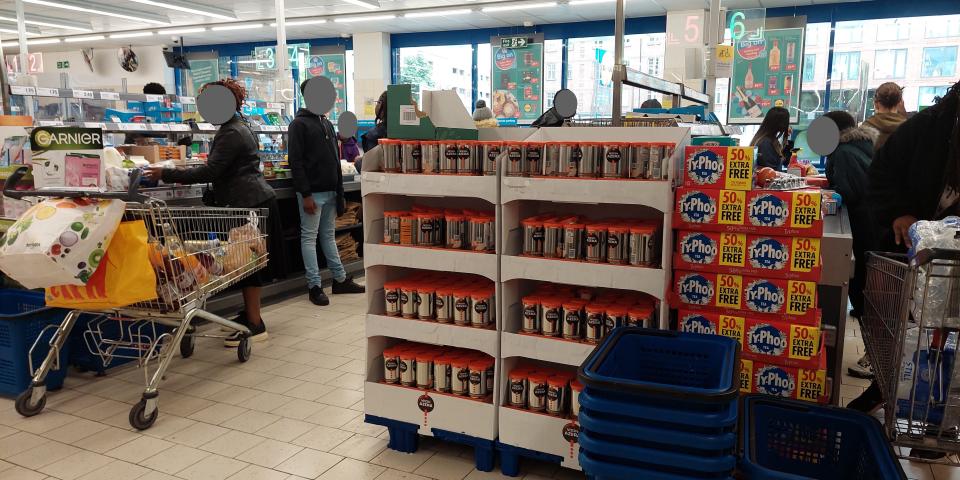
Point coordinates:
[[258, 333], [347, 286], [869, 401], [241, 318], [318, 297]]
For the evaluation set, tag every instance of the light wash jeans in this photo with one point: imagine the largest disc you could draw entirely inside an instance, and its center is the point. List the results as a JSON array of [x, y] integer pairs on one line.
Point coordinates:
[[323, 222]]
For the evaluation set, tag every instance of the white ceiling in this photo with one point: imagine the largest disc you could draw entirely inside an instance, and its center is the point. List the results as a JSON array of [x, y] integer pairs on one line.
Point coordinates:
[[263, 11]]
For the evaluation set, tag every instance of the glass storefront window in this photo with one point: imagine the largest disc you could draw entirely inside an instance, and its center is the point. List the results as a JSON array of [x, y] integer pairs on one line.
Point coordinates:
[[809, 67], [846, 66], [939, 62], [947, 26], [483, 73], [448, 67], [927, 96], [890, 64], [552, 62]]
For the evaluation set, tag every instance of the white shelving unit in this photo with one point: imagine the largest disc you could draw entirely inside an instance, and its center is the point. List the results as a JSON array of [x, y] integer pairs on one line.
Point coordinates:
[[384, 262], [597, 199]]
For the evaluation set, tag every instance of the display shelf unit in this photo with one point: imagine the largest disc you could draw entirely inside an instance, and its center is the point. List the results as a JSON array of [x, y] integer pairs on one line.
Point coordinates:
[[384, 262]]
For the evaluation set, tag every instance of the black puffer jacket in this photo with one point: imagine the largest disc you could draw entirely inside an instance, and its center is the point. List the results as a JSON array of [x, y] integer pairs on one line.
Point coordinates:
[[233, 167], [847, 166], [313, 154]]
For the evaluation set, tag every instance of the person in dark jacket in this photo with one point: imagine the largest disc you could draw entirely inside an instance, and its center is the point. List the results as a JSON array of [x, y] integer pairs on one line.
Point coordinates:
[[773, 139], [314, 159], [846, 170], [888, 105], [233, 168], [915, 176], [372, 138]]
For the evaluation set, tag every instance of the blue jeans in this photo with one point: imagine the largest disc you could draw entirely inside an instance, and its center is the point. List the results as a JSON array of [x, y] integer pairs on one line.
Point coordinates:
[[322, 222]]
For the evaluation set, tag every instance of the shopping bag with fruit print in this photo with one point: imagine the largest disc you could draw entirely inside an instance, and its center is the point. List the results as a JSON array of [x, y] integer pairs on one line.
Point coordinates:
[[59, 241], [124, 277]]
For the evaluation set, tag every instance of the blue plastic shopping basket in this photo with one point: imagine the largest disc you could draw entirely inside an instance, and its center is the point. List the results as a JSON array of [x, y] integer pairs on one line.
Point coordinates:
[[23, 316], [790, 440]]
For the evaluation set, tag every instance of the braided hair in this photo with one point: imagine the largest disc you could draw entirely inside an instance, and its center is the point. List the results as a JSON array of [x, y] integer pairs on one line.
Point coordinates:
[[951, 100], [235, 87]]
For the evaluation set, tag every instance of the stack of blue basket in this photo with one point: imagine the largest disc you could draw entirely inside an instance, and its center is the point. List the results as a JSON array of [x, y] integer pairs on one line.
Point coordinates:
[[659, 405]]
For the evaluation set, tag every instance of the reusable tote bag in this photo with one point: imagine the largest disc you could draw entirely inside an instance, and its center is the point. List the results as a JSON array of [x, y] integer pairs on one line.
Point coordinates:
[[59, 241], [124, 277]]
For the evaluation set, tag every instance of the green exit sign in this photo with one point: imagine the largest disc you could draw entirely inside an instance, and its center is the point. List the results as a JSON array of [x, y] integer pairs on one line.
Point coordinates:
[[63, 64], [514, 42]]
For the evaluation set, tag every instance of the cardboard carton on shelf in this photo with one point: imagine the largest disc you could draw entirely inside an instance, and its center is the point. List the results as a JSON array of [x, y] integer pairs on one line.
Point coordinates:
[[749, 254], [442, 117], [810, 385], [157, 153], [762, 295], [762, 212], [728, 168]]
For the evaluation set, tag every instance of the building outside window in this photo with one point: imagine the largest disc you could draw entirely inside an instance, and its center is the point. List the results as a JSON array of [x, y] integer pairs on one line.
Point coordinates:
[[552, 59], [893, 30], [927, 95], [809, 67], [846, 66], [439, 68], [939, 62], [849, 32], [947, 27], [890, 64], [483, 73]]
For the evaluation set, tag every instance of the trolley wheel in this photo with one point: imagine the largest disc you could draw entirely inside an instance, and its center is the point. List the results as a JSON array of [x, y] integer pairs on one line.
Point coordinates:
[[244, 349], [137, 419], [25, 407], [187, 345]]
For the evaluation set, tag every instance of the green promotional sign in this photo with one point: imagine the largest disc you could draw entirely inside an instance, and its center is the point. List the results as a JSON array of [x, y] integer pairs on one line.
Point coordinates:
[[517, 81], [766, 74], [203, 72], [334, 67]]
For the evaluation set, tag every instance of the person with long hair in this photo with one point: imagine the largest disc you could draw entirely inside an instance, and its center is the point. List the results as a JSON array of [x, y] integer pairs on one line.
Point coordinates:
[[372, 137], [773, 139], [233, 168], [915, 176]]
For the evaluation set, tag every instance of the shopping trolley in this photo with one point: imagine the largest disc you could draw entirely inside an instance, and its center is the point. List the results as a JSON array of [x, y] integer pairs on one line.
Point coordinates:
[[196, 252], [910, 324]]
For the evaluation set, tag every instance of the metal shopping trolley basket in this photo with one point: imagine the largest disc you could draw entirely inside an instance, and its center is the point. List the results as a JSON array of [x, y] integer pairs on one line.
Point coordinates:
[[911, 324], [196, 252]]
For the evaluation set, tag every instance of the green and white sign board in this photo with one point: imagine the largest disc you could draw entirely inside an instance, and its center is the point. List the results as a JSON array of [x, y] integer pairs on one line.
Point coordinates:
[[202, 72], [517, 80], [334, 67], [766, 74]]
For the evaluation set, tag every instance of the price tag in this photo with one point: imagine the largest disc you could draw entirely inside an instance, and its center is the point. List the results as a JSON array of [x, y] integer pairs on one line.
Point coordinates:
[[159, 127], [135, 127], [274, 106], [83, 94], [109, 96], [154, 98], [179, 127], [50, 123], [22, 90], [270, 128], [206, 126], [188, 100], [99, 125], [48, 92]]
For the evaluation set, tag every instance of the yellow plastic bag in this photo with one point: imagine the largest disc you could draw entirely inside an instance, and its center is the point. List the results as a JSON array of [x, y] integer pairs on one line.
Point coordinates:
[[124, 276]]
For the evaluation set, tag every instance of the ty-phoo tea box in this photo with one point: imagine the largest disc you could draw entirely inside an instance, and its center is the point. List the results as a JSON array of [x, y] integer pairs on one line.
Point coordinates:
[[782, 381], [759, 255], [762, 212], [718, 167], [762, 295]]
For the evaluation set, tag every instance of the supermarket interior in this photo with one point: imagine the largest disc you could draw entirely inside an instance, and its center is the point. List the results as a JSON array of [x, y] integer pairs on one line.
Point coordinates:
[[570, 239]]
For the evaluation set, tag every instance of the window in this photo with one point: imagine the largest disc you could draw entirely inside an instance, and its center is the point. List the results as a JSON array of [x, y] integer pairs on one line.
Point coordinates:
[[898, 29], [439, 68], [846, 66], [590, 72], [939, 62], [927, 95], [942, 26], [551, 72], [653, 66], [849, 32], [809, 67], [890, 64], [552, 59], [483, 72]]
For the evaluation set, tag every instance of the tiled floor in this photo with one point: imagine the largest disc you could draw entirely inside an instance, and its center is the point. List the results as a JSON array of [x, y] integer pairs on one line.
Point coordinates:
[[293, 411]]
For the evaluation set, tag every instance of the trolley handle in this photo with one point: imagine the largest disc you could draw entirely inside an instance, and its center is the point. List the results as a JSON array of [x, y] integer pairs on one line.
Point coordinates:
[[131, 195], [928, 255]]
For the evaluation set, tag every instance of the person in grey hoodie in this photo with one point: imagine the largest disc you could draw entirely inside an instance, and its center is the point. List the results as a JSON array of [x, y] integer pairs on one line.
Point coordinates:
[[888, 105]]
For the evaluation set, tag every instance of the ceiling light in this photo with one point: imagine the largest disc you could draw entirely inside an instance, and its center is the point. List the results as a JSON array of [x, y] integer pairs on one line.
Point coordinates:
[[88, 7], [8, 16], [131, 34], [519, 7], [13, 30], [195, 8], [577, 3], [85, 38], [176, 31], [437, 13], [372, 5], [296, 23], [240, 26], [363, 18], [44, 41]]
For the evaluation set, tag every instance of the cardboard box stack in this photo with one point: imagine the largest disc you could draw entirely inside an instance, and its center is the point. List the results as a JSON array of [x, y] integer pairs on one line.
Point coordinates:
[[746, 265]]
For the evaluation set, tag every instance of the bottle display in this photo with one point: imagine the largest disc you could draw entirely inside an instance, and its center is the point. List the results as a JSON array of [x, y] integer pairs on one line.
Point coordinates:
[[750, 106], [748, 78], [774, 56]]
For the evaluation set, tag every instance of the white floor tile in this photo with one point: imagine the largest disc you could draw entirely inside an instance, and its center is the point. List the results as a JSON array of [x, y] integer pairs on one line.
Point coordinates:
[[213, 467], [139, 449], [197, 434], [251, 421], [352, 469], [270, 453], [116, 469], [217, 413], [75, 430], [309, 463], [12, 445], [76, 465], [446, 467], [361, 447], [286, 429], [232, 443], [174, 459], [322, 438], [42, 455], [255, 472], [391, 474], [407, 462]]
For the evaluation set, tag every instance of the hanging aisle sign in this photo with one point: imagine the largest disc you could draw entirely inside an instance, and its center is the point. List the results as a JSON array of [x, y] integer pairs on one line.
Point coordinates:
[[334, 67], [517, 79], [203, 71], [766, 71]]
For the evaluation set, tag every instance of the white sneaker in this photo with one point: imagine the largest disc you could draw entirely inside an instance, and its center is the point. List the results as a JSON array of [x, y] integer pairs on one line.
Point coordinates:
[[862, 369]]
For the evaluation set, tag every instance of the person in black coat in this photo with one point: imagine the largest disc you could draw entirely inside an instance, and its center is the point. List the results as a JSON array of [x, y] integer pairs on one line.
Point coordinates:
[[314, 158], [773, 140], [233, 169], [846, 170], [372, 138]]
